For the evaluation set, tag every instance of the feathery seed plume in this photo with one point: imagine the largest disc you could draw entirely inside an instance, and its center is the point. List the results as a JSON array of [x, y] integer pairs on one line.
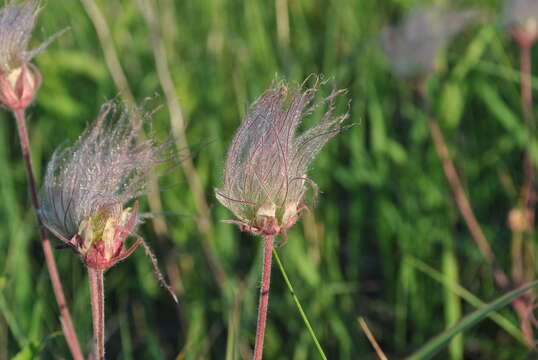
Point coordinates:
[[265, 174], [87, 186]]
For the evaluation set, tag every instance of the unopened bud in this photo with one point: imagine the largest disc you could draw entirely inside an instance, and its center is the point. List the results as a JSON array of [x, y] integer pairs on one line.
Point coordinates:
[[518, 220], [19, 86]]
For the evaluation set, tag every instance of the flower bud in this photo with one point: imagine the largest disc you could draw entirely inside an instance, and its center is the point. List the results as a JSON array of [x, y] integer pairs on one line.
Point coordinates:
[[19, 86]]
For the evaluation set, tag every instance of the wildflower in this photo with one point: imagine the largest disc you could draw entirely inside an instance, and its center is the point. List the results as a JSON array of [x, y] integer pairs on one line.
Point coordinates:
[[19, 79], [412, 47], [87, 186], [265, 172], [520, 17]]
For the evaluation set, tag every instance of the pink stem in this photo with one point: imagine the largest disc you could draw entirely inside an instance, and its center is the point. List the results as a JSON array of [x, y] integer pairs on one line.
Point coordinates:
[[98, 311], [264, 296], [65, 317], [526, 99], [527, 190]]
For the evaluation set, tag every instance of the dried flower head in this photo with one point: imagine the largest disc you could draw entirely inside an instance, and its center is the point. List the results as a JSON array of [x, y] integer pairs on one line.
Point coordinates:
[[265, 180], [412, 47], [87, 186], [520, 18], [19, 80]]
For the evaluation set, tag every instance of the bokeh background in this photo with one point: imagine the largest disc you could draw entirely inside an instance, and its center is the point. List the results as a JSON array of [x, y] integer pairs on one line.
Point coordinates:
[[385, 241]]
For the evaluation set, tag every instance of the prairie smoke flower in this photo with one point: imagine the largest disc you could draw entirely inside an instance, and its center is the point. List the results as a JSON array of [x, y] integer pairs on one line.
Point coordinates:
[[265, 171], [19, 80], [520, 18], [412, 47], [87, 186]]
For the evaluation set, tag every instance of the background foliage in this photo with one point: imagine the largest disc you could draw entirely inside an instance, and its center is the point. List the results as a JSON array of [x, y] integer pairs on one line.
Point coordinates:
[[385, 209]]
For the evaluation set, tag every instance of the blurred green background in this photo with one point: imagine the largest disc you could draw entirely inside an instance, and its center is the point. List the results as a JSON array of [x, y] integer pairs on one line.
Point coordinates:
[[385, 238]]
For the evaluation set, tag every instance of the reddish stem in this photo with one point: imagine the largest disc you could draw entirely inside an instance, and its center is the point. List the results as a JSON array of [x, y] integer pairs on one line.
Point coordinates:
[[526, 99], [527, 190], [97, 293], [264, 296], [65, 317]]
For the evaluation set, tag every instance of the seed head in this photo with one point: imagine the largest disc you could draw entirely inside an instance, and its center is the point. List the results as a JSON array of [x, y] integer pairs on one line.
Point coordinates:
[[88, 185], [265, 175], [19, 80], [412, 47]]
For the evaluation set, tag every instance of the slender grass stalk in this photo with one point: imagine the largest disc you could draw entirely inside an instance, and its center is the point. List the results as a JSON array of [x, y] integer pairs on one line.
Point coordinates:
[[464, 206], [65, 317], [436, 344], [178, 123], [98, 311], [466, 295], [463, 203], [11, 320], [460, 198], [264, 296], [299, 307], [379, 352]]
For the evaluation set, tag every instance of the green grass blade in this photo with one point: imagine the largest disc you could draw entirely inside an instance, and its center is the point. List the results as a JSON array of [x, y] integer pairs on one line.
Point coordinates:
[[452, 304], [466, 295], [437, 343], [11, 320], [299, 307]]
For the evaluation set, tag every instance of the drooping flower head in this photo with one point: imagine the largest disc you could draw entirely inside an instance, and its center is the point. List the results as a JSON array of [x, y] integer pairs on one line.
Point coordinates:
[[265, 174], [87, 186], [412, 47], [19, 79], [520, 18]]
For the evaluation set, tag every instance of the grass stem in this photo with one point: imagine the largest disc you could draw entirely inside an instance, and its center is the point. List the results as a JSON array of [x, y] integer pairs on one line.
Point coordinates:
[[299, 307]]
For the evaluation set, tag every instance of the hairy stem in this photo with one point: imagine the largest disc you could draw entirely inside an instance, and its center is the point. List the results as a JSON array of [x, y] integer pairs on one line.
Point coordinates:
[[264, 296], [97, 294], [65, 317]]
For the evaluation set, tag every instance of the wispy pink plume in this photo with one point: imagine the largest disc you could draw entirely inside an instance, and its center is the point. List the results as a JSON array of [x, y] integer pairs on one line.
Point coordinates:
[[267, 162], [17, 21], [99, 174]]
